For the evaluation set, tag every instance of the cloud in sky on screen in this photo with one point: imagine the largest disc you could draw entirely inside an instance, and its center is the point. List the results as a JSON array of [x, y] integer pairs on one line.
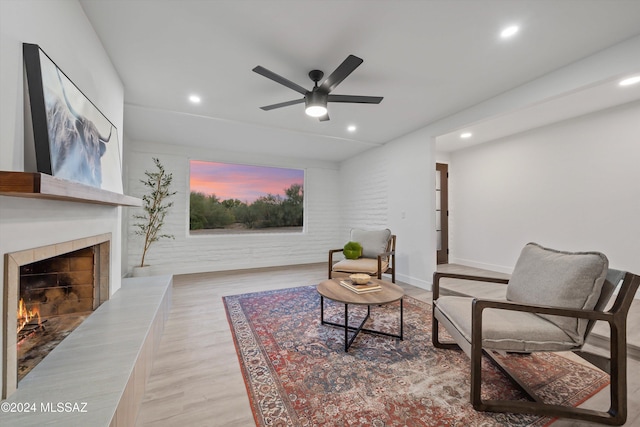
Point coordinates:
[[243, 182]]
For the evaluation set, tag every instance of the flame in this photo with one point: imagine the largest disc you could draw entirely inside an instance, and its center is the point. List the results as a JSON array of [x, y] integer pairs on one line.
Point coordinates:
[[25, 315]]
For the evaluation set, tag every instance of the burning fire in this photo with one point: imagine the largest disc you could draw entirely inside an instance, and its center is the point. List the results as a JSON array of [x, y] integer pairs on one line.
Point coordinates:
[[25, 315]]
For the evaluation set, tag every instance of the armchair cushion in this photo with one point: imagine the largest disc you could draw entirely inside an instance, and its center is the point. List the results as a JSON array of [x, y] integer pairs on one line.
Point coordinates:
[[506, 330], [360, 265], [374, 242], [561, 279]]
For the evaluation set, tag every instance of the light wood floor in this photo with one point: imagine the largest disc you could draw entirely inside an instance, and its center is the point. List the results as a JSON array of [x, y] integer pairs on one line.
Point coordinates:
[[196, 379]]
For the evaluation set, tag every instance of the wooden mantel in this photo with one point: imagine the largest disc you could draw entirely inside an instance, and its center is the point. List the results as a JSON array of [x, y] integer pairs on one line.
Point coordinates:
[[43, 186]]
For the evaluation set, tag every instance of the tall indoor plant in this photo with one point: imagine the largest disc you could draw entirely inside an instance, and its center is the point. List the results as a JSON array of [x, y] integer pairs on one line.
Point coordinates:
[[155, 206]]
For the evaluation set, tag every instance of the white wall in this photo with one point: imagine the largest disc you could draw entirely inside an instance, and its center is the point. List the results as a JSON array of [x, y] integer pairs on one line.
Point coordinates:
[[574, 185], [64, 33], [189, 254]]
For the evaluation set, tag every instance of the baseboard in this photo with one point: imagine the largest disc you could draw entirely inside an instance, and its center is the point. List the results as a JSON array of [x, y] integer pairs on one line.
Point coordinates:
[[158, 270], [602, 342], [424, 284]]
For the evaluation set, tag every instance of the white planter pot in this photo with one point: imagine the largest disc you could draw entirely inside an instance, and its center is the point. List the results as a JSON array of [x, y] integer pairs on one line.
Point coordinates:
[[141, 271]]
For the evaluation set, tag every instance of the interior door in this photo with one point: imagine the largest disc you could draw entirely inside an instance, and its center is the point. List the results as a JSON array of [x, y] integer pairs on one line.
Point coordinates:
[[442, 213]]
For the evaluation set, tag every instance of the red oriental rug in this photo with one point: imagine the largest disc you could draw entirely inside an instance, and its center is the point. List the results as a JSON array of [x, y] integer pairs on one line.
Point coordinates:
[[297, 373]]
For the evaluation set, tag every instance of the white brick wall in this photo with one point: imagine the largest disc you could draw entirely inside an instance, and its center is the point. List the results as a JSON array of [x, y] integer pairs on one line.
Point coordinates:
[[189, 254], [364, 192]]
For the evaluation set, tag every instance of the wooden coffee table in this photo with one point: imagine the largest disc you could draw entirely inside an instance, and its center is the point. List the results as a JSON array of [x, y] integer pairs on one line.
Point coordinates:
[[332, 289]]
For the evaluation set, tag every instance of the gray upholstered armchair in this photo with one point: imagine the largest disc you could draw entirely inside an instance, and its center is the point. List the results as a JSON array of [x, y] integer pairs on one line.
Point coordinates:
[[553, 299], [378, 255]]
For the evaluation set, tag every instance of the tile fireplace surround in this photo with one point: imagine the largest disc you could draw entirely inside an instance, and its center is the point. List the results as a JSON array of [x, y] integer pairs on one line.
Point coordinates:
[[13, 262]]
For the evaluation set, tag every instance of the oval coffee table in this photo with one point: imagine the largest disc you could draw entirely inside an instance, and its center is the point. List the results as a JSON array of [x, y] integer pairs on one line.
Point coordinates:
[[332, 289]]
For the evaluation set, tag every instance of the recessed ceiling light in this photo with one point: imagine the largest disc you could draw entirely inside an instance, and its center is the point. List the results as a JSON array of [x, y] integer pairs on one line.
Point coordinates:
[[509, 31], [351, 128], [630, 81], [466, 135], [195, 99]]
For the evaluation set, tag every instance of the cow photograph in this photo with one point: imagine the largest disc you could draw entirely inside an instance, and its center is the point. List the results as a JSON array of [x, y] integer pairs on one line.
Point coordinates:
[[82, 144]]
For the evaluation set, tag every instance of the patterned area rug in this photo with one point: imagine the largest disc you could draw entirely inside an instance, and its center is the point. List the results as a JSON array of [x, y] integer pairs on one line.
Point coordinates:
[[297, 373]]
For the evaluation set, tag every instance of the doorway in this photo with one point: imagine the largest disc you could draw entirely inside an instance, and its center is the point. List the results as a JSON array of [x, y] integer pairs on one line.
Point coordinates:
[[442, 213]]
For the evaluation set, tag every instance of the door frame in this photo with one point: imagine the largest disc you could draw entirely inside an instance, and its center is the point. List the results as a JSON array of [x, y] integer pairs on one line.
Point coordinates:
[[442, 255]]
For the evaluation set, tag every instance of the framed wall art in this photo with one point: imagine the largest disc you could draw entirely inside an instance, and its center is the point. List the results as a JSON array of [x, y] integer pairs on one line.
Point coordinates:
[[73, 139]]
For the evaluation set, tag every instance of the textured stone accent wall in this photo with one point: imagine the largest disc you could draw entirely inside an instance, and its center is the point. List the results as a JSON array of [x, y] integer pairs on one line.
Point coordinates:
[[365, 200]]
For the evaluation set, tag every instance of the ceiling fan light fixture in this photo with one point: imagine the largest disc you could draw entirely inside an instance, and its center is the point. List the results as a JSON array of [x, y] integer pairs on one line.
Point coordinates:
[[316, 110], [316, 104]]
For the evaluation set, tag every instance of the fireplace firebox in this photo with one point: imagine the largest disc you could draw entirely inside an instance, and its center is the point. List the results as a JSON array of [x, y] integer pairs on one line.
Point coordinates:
[[56, 295]]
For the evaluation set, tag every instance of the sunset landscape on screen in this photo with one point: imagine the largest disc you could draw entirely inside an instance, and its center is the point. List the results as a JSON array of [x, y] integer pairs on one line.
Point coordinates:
[[243, 182]]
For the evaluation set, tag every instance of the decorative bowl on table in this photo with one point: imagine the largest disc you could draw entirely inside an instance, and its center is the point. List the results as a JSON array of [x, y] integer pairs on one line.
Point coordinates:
[[360, 278]]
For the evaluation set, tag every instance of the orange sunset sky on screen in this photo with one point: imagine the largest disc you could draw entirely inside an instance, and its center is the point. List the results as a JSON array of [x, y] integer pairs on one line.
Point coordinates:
[[243, 182]]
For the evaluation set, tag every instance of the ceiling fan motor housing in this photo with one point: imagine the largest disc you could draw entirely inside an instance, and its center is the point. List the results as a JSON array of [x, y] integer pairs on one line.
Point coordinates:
[[316, 97]]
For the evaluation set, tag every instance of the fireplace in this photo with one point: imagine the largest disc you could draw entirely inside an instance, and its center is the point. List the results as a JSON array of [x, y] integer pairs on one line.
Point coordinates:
[[49, 291], [56, 294]]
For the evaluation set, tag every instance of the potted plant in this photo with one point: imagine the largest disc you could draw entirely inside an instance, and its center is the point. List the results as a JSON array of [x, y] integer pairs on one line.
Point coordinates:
[[155, 206]]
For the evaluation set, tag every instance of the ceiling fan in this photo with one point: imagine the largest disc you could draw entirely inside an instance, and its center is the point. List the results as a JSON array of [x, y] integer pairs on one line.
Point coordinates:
[[317, 98]]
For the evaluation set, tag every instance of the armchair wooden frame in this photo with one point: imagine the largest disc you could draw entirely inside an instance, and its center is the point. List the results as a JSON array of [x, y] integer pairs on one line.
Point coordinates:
[[390, 253], [615, 365]]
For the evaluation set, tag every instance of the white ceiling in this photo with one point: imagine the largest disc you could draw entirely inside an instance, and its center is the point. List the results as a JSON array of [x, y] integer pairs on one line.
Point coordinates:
[[428, 59], [585, 100]]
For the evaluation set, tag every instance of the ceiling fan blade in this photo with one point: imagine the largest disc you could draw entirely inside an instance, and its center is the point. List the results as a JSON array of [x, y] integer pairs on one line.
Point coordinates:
[[282, 104], [355, 99], [324, 118], [348, 65], [279, 79]]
